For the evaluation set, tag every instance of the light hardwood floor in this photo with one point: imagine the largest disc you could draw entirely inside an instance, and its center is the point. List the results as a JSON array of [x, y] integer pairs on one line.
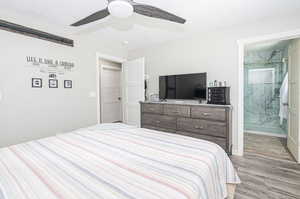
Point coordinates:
[[267, 170]]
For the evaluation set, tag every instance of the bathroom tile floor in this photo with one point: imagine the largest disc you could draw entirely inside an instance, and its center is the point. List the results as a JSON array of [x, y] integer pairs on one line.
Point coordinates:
[[267, 170]]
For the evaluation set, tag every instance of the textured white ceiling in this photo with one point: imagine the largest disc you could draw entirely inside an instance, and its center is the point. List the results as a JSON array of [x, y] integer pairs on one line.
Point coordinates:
[[140, 31]]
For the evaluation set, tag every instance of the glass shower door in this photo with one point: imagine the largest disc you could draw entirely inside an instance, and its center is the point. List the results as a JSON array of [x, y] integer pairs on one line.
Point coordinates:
[[261, 100]]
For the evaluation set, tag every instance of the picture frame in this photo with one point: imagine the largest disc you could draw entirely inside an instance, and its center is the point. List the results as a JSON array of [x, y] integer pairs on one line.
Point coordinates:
[[36, 82], [53, 83], [68, 84]]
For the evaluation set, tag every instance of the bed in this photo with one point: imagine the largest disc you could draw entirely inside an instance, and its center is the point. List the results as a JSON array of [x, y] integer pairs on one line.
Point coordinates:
[[116, 161]]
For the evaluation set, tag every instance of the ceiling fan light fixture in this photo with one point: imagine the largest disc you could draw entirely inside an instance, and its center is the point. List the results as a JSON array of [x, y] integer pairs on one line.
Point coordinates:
[[120, 8], [125, 8]]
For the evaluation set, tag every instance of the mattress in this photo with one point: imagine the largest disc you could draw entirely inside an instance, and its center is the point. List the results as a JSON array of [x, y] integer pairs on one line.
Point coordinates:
[[116, 161]]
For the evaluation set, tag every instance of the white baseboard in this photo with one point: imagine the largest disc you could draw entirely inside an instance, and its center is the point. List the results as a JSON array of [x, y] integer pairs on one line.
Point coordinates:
[[236, 152], [266, 133], [295, 149]]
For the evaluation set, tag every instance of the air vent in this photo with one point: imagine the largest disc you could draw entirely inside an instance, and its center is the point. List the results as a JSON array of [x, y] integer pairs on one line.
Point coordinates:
[[11, 27]]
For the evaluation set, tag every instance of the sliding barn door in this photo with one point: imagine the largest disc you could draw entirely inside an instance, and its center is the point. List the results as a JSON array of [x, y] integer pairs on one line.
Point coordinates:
[[134, 89]]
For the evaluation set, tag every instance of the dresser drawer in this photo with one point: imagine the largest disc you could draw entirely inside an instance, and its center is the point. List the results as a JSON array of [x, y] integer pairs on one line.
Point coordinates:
[[159, 129], [220, 141], [203, 127], [177, 110], [208, 113], [152, 108], [161, 121]]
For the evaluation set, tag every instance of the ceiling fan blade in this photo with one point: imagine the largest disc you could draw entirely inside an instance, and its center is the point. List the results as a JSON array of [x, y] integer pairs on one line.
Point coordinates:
[[93, 17], [154, 12]]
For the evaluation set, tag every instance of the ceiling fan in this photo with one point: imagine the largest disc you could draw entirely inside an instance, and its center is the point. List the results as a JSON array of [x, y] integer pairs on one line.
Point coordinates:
[[125, 8]]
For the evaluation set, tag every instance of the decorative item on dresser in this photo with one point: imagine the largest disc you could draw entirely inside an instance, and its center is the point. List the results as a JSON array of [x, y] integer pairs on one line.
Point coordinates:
[[203, 121], [219, 95]]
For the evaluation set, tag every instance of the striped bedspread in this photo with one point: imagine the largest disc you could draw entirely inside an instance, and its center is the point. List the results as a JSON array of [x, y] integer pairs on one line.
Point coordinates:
[[115, 161]]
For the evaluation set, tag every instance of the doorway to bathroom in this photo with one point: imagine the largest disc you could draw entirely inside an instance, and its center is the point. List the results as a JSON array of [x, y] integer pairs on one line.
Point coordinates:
[[266, 97], [266, 88]]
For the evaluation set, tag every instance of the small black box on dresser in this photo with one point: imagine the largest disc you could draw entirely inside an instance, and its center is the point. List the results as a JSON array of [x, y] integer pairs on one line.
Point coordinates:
[[219, 95]]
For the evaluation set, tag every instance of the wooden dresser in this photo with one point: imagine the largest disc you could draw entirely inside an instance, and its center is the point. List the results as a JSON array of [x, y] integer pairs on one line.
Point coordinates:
[[203, 121]]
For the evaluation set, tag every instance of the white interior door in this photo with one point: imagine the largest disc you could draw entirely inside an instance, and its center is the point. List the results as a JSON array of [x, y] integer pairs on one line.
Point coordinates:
[[294, 99], [134, 72], [111, 92]]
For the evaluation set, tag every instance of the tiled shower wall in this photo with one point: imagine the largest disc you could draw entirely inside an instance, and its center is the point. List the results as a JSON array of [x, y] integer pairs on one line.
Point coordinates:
[[264, 73]]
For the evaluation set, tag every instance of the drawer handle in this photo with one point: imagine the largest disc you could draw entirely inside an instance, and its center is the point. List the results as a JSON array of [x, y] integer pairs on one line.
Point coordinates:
[[205, 114], [157, 121], [175, 111], [199, 127], [151, 109]]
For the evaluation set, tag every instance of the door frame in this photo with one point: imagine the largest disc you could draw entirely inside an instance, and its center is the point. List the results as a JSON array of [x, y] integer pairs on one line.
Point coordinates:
[[241, 46], [98, 81]]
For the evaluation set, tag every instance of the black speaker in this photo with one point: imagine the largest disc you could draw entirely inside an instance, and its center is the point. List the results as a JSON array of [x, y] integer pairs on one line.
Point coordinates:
[[219, 95]]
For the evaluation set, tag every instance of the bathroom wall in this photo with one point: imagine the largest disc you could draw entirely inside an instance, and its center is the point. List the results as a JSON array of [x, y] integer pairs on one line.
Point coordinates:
[[265, 69]]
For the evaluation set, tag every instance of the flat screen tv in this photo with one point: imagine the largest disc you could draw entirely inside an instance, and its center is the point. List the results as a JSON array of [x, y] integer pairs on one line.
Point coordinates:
[[184, 87]]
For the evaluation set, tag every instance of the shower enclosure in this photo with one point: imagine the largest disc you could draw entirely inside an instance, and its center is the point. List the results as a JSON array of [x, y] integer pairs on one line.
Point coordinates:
[[265, 71]]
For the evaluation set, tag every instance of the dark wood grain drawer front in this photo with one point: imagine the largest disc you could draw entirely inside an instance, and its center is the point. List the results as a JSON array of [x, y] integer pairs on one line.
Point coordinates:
[[206, 122], [220, 141], [177, 110], [202, 127], [152, 108], [161, 121], [208, 113], [159, 129]]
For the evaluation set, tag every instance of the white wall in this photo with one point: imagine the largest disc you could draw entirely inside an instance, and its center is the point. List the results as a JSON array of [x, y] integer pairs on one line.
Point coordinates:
[[27, 113], [214, 52]]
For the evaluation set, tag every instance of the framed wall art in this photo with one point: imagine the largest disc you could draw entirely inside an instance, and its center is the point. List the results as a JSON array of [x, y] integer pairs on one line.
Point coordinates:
[[53, 83], [68, 84], [36, 83]]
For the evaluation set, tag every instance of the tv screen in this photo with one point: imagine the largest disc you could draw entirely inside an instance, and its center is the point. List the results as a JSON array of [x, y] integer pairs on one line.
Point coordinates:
[[188, 86]]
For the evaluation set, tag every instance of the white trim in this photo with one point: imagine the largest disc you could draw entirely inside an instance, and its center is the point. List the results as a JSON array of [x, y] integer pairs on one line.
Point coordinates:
[[239, 150], [98, 88], [111, 58], [267, 134], [98, 70], [277, 36], [294, 146], [123, 93], [111, 67]]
